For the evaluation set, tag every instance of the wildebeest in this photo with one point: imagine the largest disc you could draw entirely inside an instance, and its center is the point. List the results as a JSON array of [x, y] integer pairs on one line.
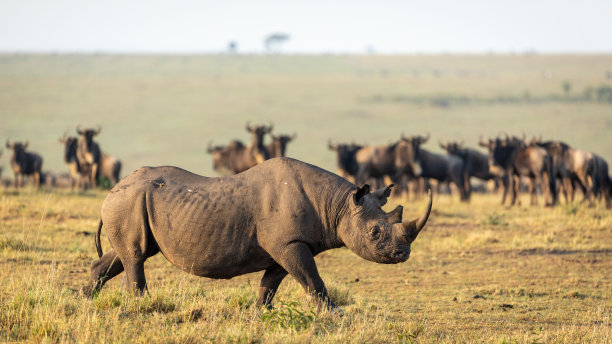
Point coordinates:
[[475, 163], [110, 168], [236, 157], [345, 159], [278, 147], [89, 155], [275, 217], [512, 158], [25, 163], [376, 162], [416, 162], [70, 158]]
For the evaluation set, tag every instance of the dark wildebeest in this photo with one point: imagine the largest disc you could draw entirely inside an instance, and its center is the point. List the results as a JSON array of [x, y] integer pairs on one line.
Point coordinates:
[[376, 162], [70, 158], [602, 187], [345, 159], [577, 167], [89, 155], [512, 158], [275, 217], [278, 146], [475, 163], [415, 162], [25, 163], [110, 168], [236, 157]]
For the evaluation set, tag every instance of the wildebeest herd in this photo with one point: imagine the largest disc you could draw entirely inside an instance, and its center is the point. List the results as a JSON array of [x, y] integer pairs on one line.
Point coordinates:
[[86, 162], [510, 162], [276, 215]]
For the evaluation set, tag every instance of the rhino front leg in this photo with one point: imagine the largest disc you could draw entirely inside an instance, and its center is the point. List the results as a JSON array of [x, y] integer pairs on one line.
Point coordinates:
[[269, 284], [298, 261]]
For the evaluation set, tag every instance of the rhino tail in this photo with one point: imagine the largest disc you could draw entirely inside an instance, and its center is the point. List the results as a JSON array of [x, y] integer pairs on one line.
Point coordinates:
[[98, 245]]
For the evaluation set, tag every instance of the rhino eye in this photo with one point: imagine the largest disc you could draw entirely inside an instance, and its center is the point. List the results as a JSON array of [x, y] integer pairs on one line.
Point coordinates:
[[374, 232]]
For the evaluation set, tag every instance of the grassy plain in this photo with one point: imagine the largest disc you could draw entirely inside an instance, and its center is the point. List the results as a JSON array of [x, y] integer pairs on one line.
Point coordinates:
[[158, 110], [478, 273]]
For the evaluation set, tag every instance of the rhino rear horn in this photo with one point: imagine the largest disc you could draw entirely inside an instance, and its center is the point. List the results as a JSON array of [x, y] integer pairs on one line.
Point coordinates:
[[382, 194], [412, 228], [395, 216]]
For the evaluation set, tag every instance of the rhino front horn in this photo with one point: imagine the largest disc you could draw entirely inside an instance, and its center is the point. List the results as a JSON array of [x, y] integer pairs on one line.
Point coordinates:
[[412, 228]]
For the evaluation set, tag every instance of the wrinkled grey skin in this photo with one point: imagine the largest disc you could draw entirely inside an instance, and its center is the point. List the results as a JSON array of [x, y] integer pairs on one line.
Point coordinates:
[[276, 217], [88, 155]]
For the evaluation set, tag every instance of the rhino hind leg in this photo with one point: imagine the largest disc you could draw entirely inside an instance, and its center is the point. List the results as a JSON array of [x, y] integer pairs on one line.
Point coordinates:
[[270, 281], [102, 270], [135, 281]]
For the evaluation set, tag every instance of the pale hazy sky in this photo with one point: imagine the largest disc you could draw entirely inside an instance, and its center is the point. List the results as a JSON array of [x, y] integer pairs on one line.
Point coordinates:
[[315, 26]]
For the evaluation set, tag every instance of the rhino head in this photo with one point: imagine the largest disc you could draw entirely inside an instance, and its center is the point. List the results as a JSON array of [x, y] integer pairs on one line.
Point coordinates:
[[376, 235]]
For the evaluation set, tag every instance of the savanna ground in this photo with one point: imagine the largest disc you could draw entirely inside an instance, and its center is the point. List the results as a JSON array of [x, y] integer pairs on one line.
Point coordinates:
[[478, 273]]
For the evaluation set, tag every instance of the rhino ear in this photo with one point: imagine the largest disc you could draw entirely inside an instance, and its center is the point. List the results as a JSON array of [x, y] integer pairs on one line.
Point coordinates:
[[361, 193], [382, 194]]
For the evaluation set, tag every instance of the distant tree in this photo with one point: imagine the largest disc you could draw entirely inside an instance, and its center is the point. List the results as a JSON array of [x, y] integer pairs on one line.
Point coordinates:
[[275, 39], [232, 47], [567, 87]]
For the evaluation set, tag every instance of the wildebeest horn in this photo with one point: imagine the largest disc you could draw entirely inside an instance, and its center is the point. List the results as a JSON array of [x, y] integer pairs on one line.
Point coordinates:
[[330, 145], [63, 138], [403, 137], [482, 143], [79, 131], [210, 148], [270, 127], [8, 144], [294, 136], [442, 144], [412, 228], [248, 126], [98, 130], [426, 138], [25, 146]]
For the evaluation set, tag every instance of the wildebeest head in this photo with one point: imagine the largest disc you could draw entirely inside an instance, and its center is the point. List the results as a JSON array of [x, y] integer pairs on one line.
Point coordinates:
[[455, 148], [279, 144], [407, 154], [375, 235], [502, 152], [88, 133], [17, 147], [70, 147], [259, 130]]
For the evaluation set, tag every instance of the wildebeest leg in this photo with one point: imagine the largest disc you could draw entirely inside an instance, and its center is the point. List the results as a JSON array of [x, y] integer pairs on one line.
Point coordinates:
[[515, 184], [37, 179], [298, 261], [506, 187], [533, 183], [94, 171], [269, 284], [102, 270]]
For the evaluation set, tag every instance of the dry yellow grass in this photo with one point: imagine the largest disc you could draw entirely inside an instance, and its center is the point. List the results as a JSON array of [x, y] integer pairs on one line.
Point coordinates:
[[478, 273]]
